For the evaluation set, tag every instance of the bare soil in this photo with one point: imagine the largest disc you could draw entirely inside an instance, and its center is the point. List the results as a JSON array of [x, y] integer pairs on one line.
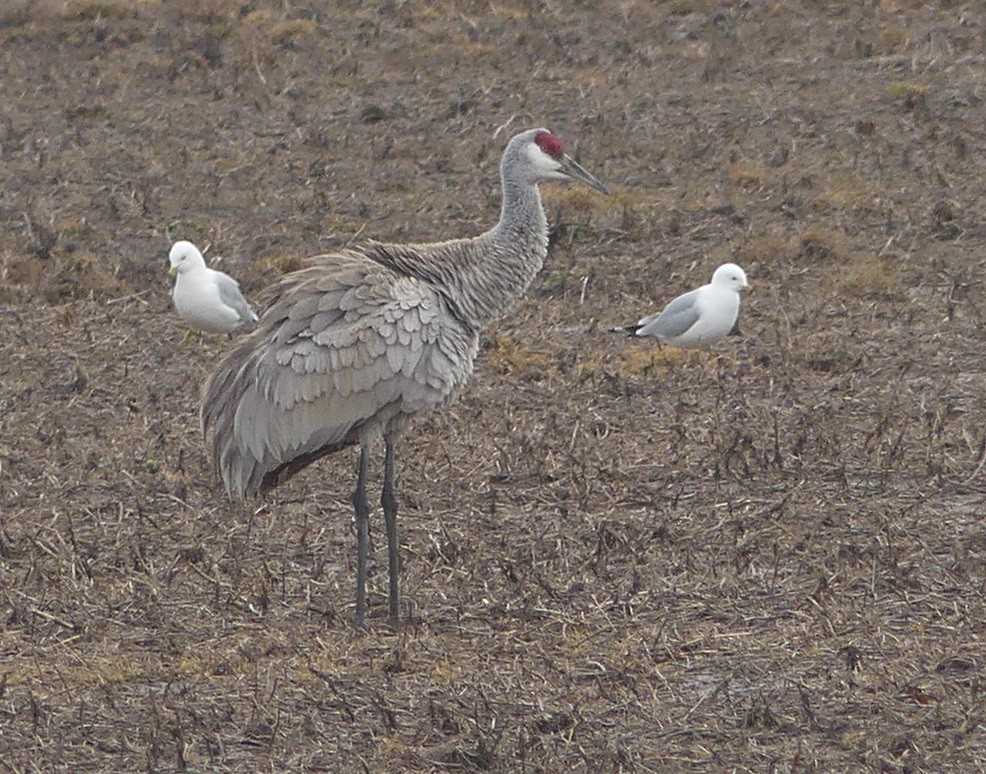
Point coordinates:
[[616, 557]]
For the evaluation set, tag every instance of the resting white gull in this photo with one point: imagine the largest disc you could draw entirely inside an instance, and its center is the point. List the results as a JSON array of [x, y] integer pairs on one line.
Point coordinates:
[[205, 298], [700, 317]]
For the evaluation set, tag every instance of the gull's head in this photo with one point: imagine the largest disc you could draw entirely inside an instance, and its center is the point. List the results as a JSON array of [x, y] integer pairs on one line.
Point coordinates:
[[184, 256], [730, 275]]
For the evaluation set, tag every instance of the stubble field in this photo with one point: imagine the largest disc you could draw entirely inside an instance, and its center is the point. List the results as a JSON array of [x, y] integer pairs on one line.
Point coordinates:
[[616, 557]]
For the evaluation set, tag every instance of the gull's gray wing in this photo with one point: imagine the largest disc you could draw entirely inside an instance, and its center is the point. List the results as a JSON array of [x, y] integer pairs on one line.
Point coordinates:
[[677, 317], [229, 294]]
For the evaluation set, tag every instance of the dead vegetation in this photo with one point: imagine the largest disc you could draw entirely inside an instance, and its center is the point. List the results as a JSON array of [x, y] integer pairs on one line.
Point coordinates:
[[616, 557]]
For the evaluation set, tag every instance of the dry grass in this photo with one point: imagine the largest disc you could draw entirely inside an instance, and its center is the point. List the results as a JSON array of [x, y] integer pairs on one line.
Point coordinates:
[[617, 557], [744, 173]]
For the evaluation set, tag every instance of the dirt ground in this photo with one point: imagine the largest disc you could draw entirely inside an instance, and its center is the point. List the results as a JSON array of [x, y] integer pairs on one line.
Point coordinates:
[[616, 557]]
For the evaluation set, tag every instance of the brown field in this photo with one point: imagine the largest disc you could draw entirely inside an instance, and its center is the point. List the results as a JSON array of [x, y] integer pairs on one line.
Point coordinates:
[[769, 558]]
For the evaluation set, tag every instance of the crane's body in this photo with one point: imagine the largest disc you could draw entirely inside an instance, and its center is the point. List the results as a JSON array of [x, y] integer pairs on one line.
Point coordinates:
[[353, 346], [366, 337]]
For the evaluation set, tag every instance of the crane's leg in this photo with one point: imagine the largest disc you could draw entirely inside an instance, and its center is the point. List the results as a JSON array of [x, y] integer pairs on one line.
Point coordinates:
[[362, 508], [388, 500]]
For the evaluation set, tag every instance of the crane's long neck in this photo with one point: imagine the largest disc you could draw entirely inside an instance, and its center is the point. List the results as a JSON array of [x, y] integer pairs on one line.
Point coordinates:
[[482, 276], [507, 257]]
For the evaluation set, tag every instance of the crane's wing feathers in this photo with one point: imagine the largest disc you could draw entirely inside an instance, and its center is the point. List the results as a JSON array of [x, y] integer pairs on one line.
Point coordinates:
[[346, 346], [677, 317]]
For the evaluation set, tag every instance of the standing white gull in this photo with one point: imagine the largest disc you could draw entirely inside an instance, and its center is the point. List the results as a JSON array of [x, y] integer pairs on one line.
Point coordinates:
[[700, 317], [205, 298]]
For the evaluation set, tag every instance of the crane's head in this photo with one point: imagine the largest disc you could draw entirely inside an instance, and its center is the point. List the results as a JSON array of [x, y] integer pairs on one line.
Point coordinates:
[[730, 275], [184, 257], [543, 158]]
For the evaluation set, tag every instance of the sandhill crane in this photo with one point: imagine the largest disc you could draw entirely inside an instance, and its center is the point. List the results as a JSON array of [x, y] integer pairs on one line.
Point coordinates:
[[366, 337], [205, 298], [699, 317]]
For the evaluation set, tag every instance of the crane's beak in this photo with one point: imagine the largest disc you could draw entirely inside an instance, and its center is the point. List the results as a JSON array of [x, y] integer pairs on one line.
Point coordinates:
[[574, 170]]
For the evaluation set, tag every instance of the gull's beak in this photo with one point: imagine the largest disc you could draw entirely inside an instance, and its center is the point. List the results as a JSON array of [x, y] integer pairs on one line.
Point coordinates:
[[574, 170], [172, 271]]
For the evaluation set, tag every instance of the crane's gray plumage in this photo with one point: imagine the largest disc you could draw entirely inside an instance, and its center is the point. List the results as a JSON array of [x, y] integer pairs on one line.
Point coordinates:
[[350, 344], [368, 336], [205, 298], [699, 317]]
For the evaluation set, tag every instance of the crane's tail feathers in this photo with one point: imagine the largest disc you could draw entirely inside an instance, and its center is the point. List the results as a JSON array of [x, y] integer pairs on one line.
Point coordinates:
[[222, 395]]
